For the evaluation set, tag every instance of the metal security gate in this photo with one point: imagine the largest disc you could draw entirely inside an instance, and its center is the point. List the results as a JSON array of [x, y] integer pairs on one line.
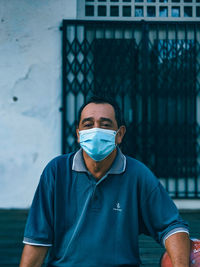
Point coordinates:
[[153, 71]]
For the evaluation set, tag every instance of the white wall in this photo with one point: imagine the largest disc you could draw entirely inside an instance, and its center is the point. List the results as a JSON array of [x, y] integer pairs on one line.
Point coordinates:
[[30, 71]]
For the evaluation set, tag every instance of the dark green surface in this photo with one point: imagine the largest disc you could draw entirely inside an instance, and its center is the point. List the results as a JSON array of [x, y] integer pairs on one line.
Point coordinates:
[[11, 234]]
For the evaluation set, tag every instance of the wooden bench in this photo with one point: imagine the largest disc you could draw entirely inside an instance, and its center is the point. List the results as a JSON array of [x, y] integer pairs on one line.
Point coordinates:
[[12, 224]]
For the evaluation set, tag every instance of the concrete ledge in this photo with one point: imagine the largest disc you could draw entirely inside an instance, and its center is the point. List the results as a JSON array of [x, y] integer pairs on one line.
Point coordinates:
[[187, 204]]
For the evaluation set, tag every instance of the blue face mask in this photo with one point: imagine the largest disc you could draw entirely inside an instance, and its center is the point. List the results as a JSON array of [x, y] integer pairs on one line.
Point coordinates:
[[98, 143]]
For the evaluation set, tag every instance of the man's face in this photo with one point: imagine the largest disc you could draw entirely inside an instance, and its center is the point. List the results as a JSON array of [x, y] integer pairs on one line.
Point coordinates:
[[100, 116]]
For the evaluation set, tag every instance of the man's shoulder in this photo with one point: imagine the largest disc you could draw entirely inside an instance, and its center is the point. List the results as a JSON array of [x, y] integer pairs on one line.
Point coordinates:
[[57, 169], [136, 165], [60, 161], [139, 171]]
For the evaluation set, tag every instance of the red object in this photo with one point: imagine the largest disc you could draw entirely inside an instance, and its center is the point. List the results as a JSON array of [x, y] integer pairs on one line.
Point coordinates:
[[194, 255]]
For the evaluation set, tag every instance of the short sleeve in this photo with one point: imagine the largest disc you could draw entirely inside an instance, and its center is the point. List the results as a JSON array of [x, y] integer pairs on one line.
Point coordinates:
[[39, 226], [160, 216]]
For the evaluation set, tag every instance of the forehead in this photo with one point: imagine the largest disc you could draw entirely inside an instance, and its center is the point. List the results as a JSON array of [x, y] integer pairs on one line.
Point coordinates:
[[98, 110]]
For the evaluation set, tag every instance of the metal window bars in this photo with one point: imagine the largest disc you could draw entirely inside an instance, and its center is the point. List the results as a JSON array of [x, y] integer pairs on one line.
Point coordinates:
[[153, 70]]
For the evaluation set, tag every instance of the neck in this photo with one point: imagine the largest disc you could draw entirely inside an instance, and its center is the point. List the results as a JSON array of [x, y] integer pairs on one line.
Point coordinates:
[[99, 168]]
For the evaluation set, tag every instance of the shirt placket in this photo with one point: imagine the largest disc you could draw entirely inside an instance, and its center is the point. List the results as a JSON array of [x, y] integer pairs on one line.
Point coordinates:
[[96, 199]]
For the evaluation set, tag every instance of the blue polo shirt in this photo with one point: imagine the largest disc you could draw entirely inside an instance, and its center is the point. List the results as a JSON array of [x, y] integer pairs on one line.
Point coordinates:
[[92, 223]]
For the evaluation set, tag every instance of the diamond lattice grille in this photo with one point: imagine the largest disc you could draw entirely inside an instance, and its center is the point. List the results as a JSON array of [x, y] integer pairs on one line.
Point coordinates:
[[153, 71]]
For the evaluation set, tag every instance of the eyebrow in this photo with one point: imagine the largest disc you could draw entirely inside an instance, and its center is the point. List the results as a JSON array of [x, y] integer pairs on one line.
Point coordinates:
[[101, 119]]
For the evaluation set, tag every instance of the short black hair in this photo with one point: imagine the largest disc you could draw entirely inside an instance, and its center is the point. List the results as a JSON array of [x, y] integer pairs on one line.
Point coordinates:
[[103, 100]]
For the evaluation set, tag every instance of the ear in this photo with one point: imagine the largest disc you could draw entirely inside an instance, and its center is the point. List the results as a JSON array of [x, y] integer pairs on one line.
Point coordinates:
[[120, 134], [77, 134]]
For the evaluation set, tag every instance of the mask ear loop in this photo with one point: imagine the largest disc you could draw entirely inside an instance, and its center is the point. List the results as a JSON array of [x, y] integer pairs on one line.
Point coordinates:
[[116, 145]]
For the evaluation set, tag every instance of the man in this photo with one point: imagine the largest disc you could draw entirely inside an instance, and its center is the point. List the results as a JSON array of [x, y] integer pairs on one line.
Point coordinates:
[[91, 206]]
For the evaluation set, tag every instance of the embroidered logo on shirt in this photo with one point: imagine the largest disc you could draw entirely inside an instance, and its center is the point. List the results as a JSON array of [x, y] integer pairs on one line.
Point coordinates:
[[117, 208]]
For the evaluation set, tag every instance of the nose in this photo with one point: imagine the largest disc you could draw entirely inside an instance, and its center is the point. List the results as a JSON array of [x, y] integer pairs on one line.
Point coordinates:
[[96, 124]]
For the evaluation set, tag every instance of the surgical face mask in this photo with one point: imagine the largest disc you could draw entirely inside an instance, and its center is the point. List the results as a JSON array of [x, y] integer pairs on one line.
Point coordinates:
[[98, 143]]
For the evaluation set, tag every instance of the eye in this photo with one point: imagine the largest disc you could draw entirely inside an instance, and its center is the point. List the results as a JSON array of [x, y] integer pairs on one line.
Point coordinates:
[[106, 125], [87, 125]]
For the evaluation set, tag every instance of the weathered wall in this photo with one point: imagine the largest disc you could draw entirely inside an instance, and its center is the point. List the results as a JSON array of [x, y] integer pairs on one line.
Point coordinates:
[[30, 93]]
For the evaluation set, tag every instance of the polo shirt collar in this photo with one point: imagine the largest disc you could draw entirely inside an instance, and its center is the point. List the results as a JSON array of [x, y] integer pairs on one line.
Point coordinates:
[[117, 167]]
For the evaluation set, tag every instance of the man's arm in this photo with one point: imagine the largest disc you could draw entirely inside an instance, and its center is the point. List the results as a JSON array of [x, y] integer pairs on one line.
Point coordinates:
[[178, 248], [33, 256]]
